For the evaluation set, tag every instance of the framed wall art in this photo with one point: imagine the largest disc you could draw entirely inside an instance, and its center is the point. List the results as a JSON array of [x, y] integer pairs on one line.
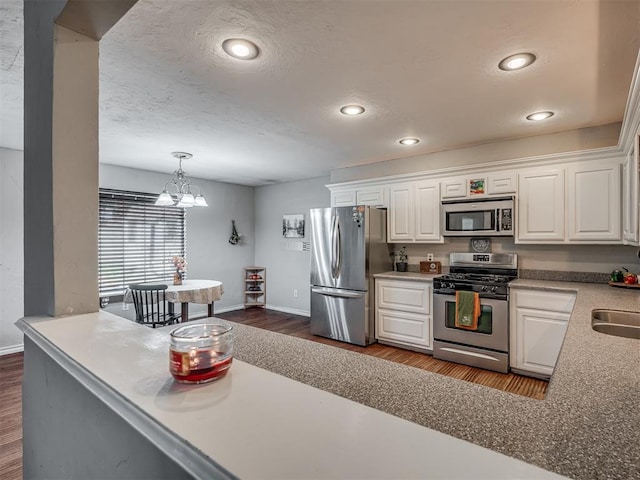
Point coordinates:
[[477, 186], [293, 226]]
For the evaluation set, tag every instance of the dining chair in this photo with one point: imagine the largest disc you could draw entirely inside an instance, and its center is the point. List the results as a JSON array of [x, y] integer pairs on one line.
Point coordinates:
[[151, 305]]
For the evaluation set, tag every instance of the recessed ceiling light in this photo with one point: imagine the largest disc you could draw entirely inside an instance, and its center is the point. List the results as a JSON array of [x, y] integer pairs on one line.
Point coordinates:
[[517, 61], [537, 116], [352, 109], [240, 48], [408, 141]]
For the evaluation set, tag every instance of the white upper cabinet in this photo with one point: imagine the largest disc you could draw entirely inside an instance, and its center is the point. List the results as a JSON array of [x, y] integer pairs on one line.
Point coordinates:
[[594, 201], [374, 195], [343, 198], [540, 206], [427, 211], [630, 197], [479, 185], [401, 213], [414, 212], [502, 183], [454, 187]]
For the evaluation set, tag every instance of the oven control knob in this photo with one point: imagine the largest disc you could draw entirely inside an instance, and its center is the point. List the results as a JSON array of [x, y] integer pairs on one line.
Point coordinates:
[[493, 289]]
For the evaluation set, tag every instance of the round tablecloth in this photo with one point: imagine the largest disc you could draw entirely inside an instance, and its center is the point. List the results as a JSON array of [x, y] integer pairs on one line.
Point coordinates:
[[191, 291]]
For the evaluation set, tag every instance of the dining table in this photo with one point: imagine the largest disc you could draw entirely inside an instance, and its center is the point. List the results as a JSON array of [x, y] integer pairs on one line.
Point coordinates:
[[190, 291]]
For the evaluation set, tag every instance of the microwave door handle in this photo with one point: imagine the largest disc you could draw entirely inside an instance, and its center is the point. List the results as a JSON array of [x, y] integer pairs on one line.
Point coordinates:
[[498, 220]]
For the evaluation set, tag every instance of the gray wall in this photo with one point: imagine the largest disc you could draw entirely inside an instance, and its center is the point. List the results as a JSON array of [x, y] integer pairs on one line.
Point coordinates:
[[209, 253], [11, 249], [287, 270]]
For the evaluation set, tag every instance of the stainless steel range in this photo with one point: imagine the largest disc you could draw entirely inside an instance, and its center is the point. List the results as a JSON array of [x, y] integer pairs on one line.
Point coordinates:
[[486, 345]]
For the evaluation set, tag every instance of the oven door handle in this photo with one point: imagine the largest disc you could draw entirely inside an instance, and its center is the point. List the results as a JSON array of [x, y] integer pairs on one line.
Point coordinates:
[[470, 354]]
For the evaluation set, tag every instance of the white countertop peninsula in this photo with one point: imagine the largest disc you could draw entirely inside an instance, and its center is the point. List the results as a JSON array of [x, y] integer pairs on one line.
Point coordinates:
[[252, 423]]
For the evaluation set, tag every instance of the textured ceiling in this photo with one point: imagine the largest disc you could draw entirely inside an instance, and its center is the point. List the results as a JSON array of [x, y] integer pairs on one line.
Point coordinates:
[[421, 68]]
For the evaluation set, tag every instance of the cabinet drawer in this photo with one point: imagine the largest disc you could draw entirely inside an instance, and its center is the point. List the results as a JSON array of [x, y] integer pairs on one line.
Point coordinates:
[[409, 328], [544, 300], [414, 297]]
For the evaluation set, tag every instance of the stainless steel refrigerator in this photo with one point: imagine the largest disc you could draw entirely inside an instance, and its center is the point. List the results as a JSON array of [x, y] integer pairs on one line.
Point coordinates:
[[348, 246]]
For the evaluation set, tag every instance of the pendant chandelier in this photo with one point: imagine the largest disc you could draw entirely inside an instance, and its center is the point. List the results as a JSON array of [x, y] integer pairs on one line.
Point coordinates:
[[182, 186]]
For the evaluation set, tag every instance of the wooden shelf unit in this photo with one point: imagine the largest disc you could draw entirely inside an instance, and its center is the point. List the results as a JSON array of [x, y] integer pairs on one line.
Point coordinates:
[[255, 286]]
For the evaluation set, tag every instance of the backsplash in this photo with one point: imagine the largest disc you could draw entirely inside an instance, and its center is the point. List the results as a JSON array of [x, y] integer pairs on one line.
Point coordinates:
[[578, 261], [584, 277]]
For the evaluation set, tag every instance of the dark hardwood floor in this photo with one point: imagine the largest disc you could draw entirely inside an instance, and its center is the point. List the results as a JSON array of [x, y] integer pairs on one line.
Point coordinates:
[[11, 370], [11, 416], [298, 326]]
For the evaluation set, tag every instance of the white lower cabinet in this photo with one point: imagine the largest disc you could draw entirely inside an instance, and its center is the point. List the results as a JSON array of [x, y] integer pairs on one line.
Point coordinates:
[[538, 323], [403, 313]]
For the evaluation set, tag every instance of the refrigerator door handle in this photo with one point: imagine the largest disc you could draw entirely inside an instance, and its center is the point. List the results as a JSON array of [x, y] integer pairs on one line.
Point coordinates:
[[334, 221], [338, 249], [337, 293], [334, 246]]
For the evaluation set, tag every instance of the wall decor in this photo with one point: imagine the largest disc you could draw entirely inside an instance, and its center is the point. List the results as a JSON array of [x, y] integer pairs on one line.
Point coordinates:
[[477, 186], [234, 239], [480, 244], [293, 226]]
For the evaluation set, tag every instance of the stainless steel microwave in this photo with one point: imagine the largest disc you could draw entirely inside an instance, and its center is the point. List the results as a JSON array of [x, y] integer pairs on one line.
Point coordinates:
[[470, 218]]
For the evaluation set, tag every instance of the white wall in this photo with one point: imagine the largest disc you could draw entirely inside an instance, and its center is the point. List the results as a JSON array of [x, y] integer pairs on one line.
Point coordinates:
[[209, 254], [287, 270], [11, 249]]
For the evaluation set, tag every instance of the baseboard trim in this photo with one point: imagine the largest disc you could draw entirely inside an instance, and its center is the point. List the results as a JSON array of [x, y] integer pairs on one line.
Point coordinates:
[[199, 315], [293, 311], [11, 349]]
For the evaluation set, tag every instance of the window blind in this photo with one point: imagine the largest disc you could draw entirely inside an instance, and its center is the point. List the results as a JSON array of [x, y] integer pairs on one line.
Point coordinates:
[[136, 240]]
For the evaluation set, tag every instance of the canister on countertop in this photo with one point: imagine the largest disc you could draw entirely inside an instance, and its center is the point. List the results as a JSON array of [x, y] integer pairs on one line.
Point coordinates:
[[430, 267], [201, 352]]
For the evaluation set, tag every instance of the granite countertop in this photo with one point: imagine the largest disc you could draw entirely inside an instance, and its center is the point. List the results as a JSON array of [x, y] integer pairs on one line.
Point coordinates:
[[587, 427], [253, 423], [425, 277]]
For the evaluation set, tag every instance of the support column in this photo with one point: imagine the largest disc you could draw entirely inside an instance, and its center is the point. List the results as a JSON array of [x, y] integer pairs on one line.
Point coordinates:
[[61, 152]]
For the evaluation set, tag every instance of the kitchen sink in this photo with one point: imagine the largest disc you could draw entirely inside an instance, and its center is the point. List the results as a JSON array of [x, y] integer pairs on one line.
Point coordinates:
[[616, 322]]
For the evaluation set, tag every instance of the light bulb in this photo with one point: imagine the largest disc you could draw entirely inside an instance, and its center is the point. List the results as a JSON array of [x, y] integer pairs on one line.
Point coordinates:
[[186, 201], [200, 201], [240, 48], [164, 199], [537, 116], [517, 61], [352, 110]]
